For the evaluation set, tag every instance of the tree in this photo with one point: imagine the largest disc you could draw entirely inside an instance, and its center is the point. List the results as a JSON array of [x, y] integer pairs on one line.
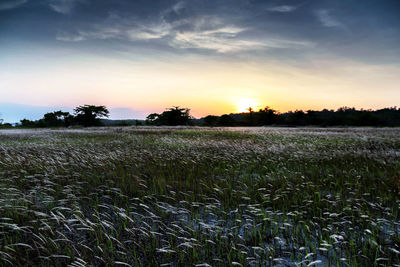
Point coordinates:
[[27, 123], [211, 120], [5, 125], [226, 120], [266, 116], [251, 119], [56, 119], [172, 116], [176, 116], [298, 117], [152, 118], [89, 115]]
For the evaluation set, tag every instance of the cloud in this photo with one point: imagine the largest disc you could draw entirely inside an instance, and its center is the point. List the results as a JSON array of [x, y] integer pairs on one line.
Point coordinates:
[[66, 37], [226, 40], [221, 40], [283, 9], [215, 34], [176, 12], [63, 6], [287, 43], [326, 19], [148, 32], [11, 4], [115, 32], [178, 7], [182, 31], [210, 34]]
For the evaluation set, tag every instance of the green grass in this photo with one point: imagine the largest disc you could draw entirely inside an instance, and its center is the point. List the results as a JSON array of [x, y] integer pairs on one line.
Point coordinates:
[[192, 196]]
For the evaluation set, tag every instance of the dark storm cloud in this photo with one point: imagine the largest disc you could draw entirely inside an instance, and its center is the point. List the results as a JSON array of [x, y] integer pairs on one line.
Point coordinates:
[[364, 30]]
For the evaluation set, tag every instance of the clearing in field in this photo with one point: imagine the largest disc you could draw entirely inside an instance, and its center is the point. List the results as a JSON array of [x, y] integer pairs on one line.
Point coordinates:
[[201, 197]]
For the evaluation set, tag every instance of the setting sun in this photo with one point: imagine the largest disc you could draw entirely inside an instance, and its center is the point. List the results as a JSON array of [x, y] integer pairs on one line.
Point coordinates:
[[244, 104]]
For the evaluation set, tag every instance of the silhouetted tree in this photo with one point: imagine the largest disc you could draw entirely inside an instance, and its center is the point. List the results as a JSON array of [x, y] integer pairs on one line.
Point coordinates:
[[211, 120], [172, 116], [6, 125], [27, 123], [89, 115], [297, 117], [152, 118], [250, 121], [266, 116], [344, 116], [226, 120], [56, 119]]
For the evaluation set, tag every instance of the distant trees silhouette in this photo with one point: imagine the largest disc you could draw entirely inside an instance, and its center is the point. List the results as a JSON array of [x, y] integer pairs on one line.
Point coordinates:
[[28, 123], [85, 115], [211, 120], [172, 116], [55, 119], [227, 120], [4, 125], [266, 116], [91, 115], [344, 116]]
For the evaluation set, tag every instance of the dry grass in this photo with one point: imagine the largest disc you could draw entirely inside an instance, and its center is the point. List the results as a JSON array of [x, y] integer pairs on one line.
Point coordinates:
[[199, 196]]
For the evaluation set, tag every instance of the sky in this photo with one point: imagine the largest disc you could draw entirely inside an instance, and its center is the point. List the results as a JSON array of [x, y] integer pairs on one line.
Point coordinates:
[[213, 56]]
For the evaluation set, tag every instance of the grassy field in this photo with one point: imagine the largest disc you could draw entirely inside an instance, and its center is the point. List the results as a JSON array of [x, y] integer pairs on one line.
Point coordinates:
[[200, 197]]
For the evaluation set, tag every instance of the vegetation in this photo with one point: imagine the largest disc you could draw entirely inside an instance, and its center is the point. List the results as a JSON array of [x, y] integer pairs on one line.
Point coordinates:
[[200, 197], [90, 115], [172, 116], [86, 115], [341, 117], [5, 125]]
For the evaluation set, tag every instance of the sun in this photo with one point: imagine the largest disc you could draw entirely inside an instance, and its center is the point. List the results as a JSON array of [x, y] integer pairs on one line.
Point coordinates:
[[244, 104]]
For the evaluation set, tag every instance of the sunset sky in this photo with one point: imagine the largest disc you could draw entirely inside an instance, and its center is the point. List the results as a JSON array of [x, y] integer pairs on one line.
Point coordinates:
[[212, 56]]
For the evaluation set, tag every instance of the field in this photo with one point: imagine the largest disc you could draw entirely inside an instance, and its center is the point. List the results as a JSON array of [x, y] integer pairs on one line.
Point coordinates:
[[200, 197]]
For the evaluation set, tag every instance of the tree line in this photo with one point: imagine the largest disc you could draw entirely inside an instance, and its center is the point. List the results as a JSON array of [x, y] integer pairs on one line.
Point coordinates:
[[91, 115], [85, 115], [344, 116]]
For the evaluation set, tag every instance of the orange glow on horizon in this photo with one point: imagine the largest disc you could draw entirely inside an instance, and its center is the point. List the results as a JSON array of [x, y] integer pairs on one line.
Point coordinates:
[[206, 87], [244, 104]]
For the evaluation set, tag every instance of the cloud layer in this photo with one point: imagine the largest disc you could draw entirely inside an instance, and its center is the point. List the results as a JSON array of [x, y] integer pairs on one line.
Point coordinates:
[[344, 28]]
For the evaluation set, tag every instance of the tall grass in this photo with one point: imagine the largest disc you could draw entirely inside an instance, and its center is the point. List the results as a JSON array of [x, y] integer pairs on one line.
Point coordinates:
[[202, 197]]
